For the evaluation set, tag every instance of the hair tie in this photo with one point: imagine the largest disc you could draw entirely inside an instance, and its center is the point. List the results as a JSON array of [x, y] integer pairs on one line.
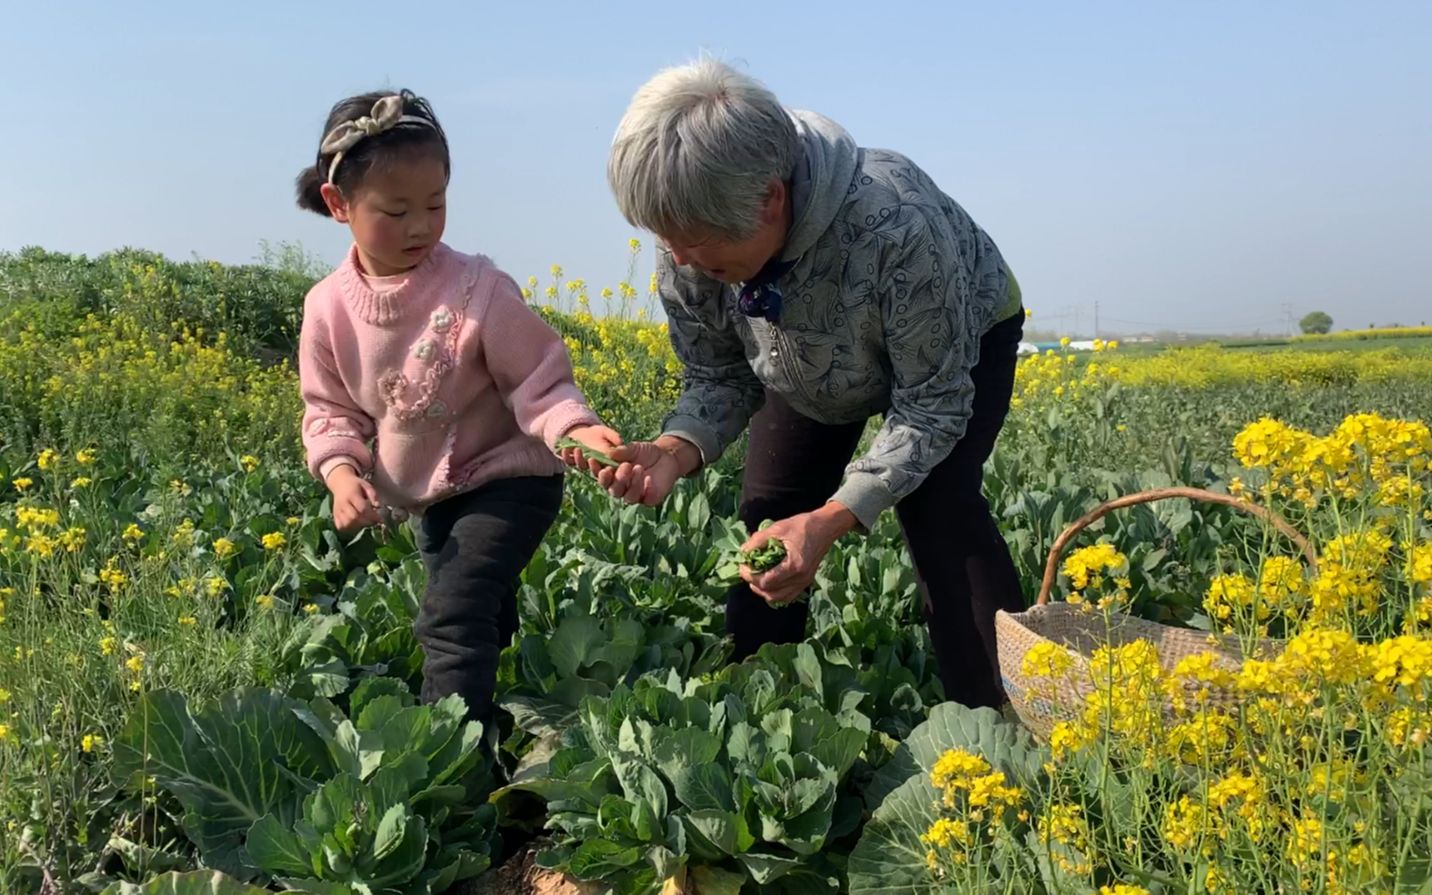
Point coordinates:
[[387, 114]]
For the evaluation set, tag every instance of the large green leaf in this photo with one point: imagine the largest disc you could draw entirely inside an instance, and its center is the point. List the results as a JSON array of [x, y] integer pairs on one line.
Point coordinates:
[[461, 748], [574, 643], [803, 823], [371, 688], [229, 764], [279, 850], [890, 858], [452, 865], [193, 882], [389, 728], [333, 808], [641, 785], [746, 744], [815, 731], [391, 831], [573, 776], [570, 691], [704, 786], [404, 839], [624, 640], [597, 858], [681, 750], [765, 868], [351, 831], [724, 832], [539, 716], [1004, 744]]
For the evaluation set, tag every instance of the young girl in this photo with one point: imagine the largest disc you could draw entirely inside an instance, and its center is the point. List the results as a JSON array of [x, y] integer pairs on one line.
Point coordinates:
[[434, 354]]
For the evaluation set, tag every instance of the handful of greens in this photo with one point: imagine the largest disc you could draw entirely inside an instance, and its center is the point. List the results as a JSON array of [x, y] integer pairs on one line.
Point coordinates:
[[590, 454], [762, 559]]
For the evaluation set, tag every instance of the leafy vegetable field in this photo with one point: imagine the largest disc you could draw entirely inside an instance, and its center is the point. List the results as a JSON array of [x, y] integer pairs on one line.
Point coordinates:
[[203, 688]]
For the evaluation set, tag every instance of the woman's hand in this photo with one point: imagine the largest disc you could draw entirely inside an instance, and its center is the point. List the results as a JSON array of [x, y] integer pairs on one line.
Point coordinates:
[[355, 500], [808, 538], [648, 470], [596, 438]]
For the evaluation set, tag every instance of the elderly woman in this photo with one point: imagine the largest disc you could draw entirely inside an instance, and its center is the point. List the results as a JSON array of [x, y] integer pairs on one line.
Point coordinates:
[[811, 283]]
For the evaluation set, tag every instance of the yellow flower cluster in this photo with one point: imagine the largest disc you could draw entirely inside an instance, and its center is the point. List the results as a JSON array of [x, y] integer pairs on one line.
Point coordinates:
[[1349, 577], [1091, 570], [1124, 698], [1207, 737], [977, 801], [1390, 457], [955, 770], [1419, 564], [1066, 376], [1261, 760], [1059, 375], [150, 386], [1339, 867], [36, 518], [1209, 365], [1064, 824], [1236, 602], [622, 366], [1362, 335], [1197, 678], [948, 834], [1361, 490], [112, 576], [1046, 659]]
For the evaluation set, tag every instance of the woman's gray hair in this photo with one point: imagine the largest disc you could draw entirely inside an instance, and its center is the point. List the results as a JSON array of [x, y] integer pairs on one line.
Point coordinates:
[[697, 151]]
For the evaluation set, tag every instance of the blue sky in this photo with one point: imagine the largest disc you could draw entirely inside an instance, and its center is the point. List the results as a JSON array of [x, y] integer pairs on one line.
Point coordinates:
[[1193, 165]]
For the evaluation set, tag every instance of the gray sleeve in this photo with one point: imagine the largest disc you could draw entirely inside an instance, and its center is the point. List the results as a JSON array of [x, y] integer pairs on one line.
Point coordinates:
[[720, 392], [932, 350]]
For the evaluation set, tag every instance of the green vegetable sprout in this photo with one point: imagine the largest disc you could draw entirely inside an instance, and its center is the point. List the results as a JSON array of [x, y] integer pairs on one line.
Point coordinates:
[[762, 559], [588, 453]]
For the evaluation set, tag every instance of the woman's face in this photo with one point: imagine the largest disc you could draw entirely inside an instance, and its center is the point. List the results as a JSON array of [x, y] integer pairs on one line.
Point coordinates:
[[735, 260], [718, 258]]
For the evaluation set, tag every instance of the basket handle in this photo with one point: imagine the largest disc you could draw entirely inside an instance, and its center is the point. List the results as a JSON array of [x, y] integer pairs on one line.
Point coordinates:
[[1051, 567]]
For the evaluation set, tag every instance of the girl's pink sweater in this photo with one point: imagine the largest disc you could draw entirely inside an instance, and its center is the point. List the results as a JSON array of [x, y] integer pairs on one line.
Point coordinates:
[[436, 386]]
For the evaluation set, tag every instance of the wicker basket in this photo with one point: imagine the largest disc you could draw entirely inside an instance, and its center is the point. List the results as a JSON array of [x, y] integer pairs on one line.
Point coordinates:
[[1041, 703]]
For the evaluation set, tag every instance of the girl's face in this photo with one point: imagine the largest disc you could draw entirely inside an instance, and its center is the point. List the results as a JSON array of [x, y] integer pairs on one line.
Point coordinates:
[[397, 215]]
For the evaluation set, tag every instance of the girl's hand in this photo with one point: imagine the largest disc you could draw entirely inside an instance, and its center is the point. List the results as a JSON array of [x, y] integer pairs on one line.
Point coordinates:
[[355, 500], [596, 438]]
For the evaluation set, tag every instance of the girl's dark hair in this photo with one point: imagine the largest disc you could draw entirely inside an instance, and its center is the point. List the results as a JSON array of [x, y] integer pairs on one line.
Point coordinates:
[[403, 141]]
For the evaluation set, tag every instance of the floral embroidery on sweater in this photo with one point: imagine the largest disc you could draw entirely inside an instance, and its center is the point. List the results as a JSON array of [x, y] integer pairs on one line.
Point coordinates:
[[447, 322]]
